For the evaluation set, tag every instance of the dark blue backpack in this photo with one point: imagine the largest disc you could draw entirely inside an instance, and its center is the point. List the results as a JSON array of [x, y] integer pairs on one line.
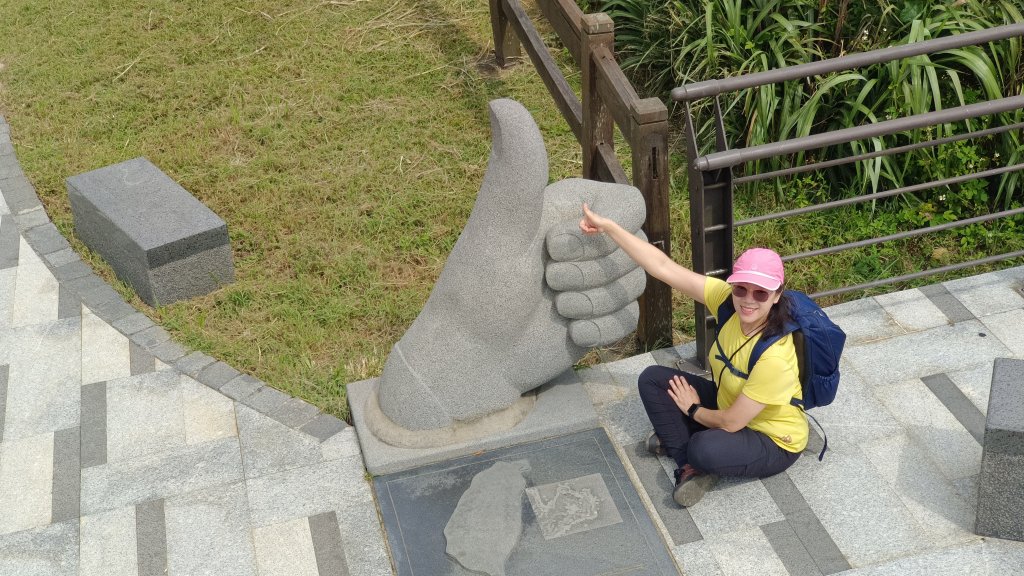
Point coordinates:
[[818, 342]]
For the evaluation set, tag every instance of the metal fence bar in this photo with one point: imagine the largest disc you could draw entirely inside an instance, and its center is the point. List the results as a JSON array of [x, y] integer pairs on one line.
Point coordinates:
[[696, 90], [729, 158], [885, 194], [868, 156], [920, 274], [903, 235]]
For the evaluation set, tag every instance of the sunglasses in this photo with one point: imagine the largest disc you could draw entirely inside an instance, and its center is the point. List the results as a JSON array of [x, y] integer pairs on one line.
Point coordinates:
[[759, 295]]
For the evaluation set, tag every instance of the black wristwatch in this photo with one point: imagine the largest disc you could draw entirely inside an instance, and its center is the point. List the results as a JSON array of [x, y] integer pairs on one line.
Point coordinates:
[[693, 409]]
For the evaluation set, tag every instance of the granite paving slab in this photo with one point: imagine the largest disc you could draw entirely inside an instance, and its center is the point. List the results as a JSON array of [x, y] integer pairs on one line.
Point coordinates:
[[866, 501], [208, 414], [943, 515], [164, 474], [269, 446], [144, 416], [36, 295], [989, 293], [108, 544], [50, 550], [26, 477], [43, 378], [208, 532], [1006, 326], [928, 422], [105, 351], [285, 549], [925, 353], [416, 505], [912, 310]]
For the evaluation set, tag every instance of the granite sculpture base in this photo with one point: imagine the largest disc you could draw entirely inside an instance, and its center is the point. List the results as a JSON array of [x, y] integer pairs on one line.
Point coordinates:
[[559, 506], [559, 407]]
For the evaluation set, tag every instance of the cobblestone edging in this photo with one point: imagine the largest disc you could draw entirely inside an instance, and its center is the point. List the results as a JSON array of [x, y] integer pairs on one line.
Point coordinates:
[[81, 283]]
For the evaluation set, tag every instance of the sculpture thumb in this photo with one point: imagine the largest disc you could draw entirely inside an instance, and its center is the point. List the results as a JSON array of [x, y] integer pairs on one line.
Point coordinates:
[[447, 367]]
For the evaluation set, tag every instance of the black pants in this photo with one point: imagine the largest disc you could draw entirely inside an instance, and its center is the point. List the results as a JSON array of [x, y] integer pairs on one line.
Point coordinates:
[[715, 451]]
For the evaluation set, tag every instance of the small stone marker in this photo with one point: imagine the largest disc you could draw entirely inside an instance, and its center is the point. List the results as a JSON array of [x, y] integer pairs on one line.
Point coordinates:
[[1001, 482], [157, 237]]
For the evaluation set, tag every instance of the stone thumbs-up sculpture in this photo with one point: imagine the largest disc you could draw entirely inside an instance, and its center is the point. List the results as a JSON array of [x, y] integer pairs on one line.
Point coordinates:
[[522, 297]]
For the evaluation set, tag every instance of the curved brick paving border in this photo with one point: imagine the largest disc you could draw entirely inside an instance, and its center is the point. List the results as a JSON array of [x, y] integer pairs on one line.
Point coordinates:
[[895, 494], [107, 304], [142, 457]]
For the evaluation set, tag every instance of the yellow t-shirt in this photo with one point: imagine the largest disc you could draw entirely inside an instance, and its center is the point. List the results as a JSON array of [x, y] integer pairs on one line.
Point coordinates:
[[774, 380]]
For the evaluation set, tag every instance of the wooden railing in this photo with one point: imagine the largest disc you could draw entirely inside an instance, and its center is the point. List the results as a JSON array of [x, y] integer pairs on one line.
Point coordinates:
[[608, 99]]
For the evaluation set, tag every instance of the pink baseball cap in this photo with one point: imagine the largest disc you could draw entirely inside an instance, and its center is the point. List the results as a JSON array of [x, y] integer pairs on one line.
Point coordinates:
[[758, 266]]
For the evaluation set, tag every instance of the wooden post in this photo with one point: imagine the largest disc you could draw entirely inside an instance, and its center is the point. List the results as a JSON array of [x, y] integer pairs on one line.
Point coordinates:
[[649, 143], [506, 45], [597, 40]]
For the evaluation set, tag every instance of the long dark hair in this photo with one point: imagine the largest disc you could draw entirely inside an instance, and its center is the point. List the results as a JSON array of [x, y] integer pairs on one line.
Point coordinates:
[[778, 316]]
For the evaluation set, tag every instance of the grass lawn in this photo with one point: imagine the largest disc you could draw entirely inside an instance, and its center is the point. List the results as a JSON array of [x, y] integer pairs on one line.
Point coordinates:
[[342, 141]]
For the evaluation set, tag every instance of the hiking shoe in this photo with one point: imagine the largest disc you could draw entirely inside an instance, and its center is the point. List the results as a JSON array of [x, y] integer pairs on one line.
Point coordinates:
[[654, 445], [691, 484]]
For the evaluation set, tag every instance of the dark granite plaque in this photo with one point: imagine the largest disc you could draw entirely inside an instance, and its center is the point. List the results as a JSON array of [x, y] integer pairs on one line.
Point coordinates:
[[580, 513]]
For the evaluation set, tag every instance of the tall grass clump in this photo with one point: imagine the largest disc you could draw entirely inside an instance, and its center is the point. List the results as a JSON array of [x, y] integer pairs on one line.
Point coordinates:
[[666, 43]]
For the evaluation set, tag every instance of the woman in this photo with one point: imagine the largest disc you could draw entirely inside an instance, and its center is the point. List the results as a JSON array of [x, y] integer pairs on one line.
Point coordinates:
[[739, 426]]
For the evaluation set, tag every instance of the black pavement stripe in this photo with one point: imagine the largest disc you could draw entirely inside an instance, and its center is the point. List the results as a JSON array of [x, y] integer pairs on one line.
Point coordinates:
[[67, 476], [958, 404], [9, 242], [3, 397], [816, 541], [327, 545], [790, 549], [151, 538], [94, 424], [68, 304], [140, 361], [947, 303], [658, 486]]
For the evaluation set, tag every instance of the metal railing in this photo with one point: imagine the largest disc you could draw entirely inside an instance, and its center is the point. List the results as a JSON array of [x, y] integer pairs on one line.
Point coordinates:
[[711, 179], [608, 100]]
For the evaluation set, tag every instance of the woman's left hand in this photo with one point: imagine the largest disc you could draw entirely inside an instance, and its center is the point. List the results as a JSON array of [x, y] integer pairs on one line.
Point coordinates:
[[682, 393]]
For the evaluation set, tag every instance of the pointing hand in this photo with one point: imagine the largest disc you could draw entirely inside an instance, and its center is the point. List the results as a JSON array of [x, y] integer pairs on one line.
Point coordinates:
[[524, 293]]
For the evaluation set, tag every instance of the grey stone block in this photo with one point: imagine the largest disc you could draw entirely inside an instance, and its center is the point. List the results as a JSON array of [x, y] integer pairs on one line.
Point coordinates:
[[324, 426], [61, 257], [216, 375], [194, 363], [19, 194], [106, 303], [168, 351], [294, 413], [46, 239], [9, 167], [71, 270], [31, 217], [1001, 482], [241, 387], [133, 323], [155, 235], [266, 400], [150, 337], [86, 283]]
